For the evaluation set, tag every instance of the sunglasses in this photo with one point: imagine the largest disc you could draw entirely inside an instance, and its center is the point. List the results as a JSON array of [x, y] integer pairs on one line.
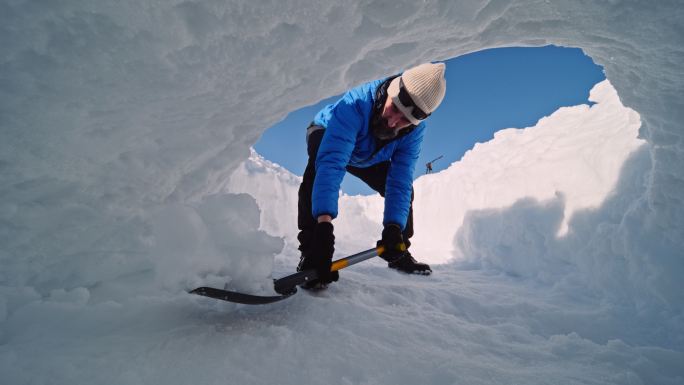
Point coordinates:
[[407, 102]]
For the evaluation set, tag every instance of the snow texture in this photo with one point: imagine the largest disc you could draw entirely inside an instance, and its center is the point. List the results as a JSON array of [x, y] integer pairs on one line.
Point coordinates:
[[126, 130]]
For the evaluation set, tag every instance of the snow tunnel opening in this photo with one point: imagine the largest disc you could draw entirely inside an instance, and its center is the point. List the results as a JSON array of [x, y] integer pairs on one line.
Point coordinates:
[[495, 134], [487, 91]]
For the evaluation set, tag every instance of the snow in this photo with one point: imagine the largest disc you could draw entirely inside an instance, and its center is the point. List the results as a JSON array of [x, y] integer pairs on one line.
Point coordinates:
[[125, 158]]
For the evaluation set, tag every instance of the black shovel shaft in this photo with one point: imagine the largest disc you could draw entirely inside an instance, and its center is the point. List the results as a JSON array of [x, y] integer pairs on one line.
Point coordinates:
[[288, 283]]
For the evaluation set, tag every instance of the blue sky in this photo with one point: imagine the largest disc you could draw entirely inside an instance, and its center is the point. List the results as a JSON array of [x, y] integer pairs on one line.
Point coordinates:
[[486, 91]]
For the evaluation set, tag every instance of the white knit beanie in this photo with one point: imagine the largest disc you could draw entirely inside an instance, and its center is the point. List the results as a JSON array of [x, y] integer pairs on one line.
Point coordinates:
[[426, 86]]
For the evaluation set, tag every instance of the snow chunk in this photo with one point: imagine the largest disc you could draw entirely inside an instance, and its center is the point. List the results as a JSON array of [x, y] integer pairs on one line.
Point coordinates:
[[216, 242]]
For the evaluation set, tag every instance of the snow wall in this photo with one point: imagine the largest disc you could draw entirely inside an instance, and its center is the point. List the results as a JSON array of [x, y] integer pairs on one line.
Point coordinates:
[[121, 123]]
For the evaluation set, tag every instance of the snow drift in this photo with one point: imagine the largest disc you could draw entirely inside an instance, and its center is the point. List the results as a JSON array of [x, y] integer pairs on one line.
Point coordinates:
[[122, 123]]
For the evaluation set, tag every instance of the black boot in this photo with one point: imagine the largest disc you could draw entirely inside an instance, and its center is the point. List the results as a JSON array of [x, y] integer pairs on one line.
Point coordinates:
[[409, 265], [315, 284]]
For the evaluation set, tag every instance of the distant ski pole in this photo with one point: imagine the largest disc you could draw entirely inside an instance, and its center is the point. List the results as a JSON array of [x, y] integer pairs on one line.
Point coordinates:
[[285, 286]]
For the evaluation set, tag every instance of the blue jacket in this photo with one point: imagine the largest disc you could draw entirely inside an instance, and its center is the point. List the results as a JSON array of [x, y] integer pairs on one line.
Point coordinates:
[[348, 140]]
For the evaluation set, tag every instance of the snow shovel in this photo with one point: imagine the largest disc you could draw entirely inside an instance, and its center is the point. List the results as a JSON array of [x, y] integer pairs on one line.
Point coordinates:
[[285, 286]]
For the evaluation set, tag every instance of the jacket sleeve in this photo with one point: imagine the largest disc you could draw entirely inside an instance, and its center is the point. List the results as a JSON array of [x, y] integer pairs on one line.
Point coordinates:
[[400, 178], [334, 153]]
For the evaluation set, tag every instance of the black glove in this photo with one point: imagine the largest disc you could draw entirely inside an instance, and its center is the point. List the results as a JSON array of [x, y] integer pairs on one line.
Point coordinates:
[[393, 243], [319, 256]]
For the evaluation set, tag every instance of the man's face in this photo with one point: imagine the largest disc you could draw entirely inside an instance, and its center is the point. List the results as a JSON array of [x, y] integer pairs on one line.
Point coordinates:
[[392, 121]]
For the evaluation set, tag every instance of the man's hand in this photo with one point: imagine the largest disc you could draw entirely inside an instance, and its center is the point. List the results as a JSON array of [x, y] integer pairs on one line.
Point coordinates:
[[324, 218], [393, 243]]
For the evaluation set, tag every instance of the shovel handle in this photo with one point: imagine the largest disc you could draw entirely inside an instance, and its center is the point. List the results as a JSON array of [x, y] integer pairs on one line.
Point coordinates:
[[288, 283]]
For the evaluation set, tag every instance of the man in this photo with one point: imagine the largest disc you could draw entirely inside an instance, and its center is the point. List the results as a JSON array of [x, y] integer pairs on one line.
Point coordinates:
[[374, 132]]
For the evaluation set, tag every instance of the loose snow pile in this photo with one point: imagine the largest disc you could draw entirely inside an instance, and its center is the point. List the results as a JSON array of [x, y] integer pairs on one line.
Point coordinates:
[[123, 123]]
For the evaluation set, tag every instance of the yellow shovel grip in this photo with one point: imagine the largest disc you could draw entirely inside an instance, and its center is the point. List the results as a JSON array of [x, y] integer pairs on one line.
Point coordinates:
[[344, 262]]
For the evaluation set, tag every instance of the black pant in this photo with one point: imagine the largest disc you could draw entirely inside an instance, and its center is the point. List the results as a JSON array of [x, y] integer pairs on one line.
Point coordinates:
[[375, 177]]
